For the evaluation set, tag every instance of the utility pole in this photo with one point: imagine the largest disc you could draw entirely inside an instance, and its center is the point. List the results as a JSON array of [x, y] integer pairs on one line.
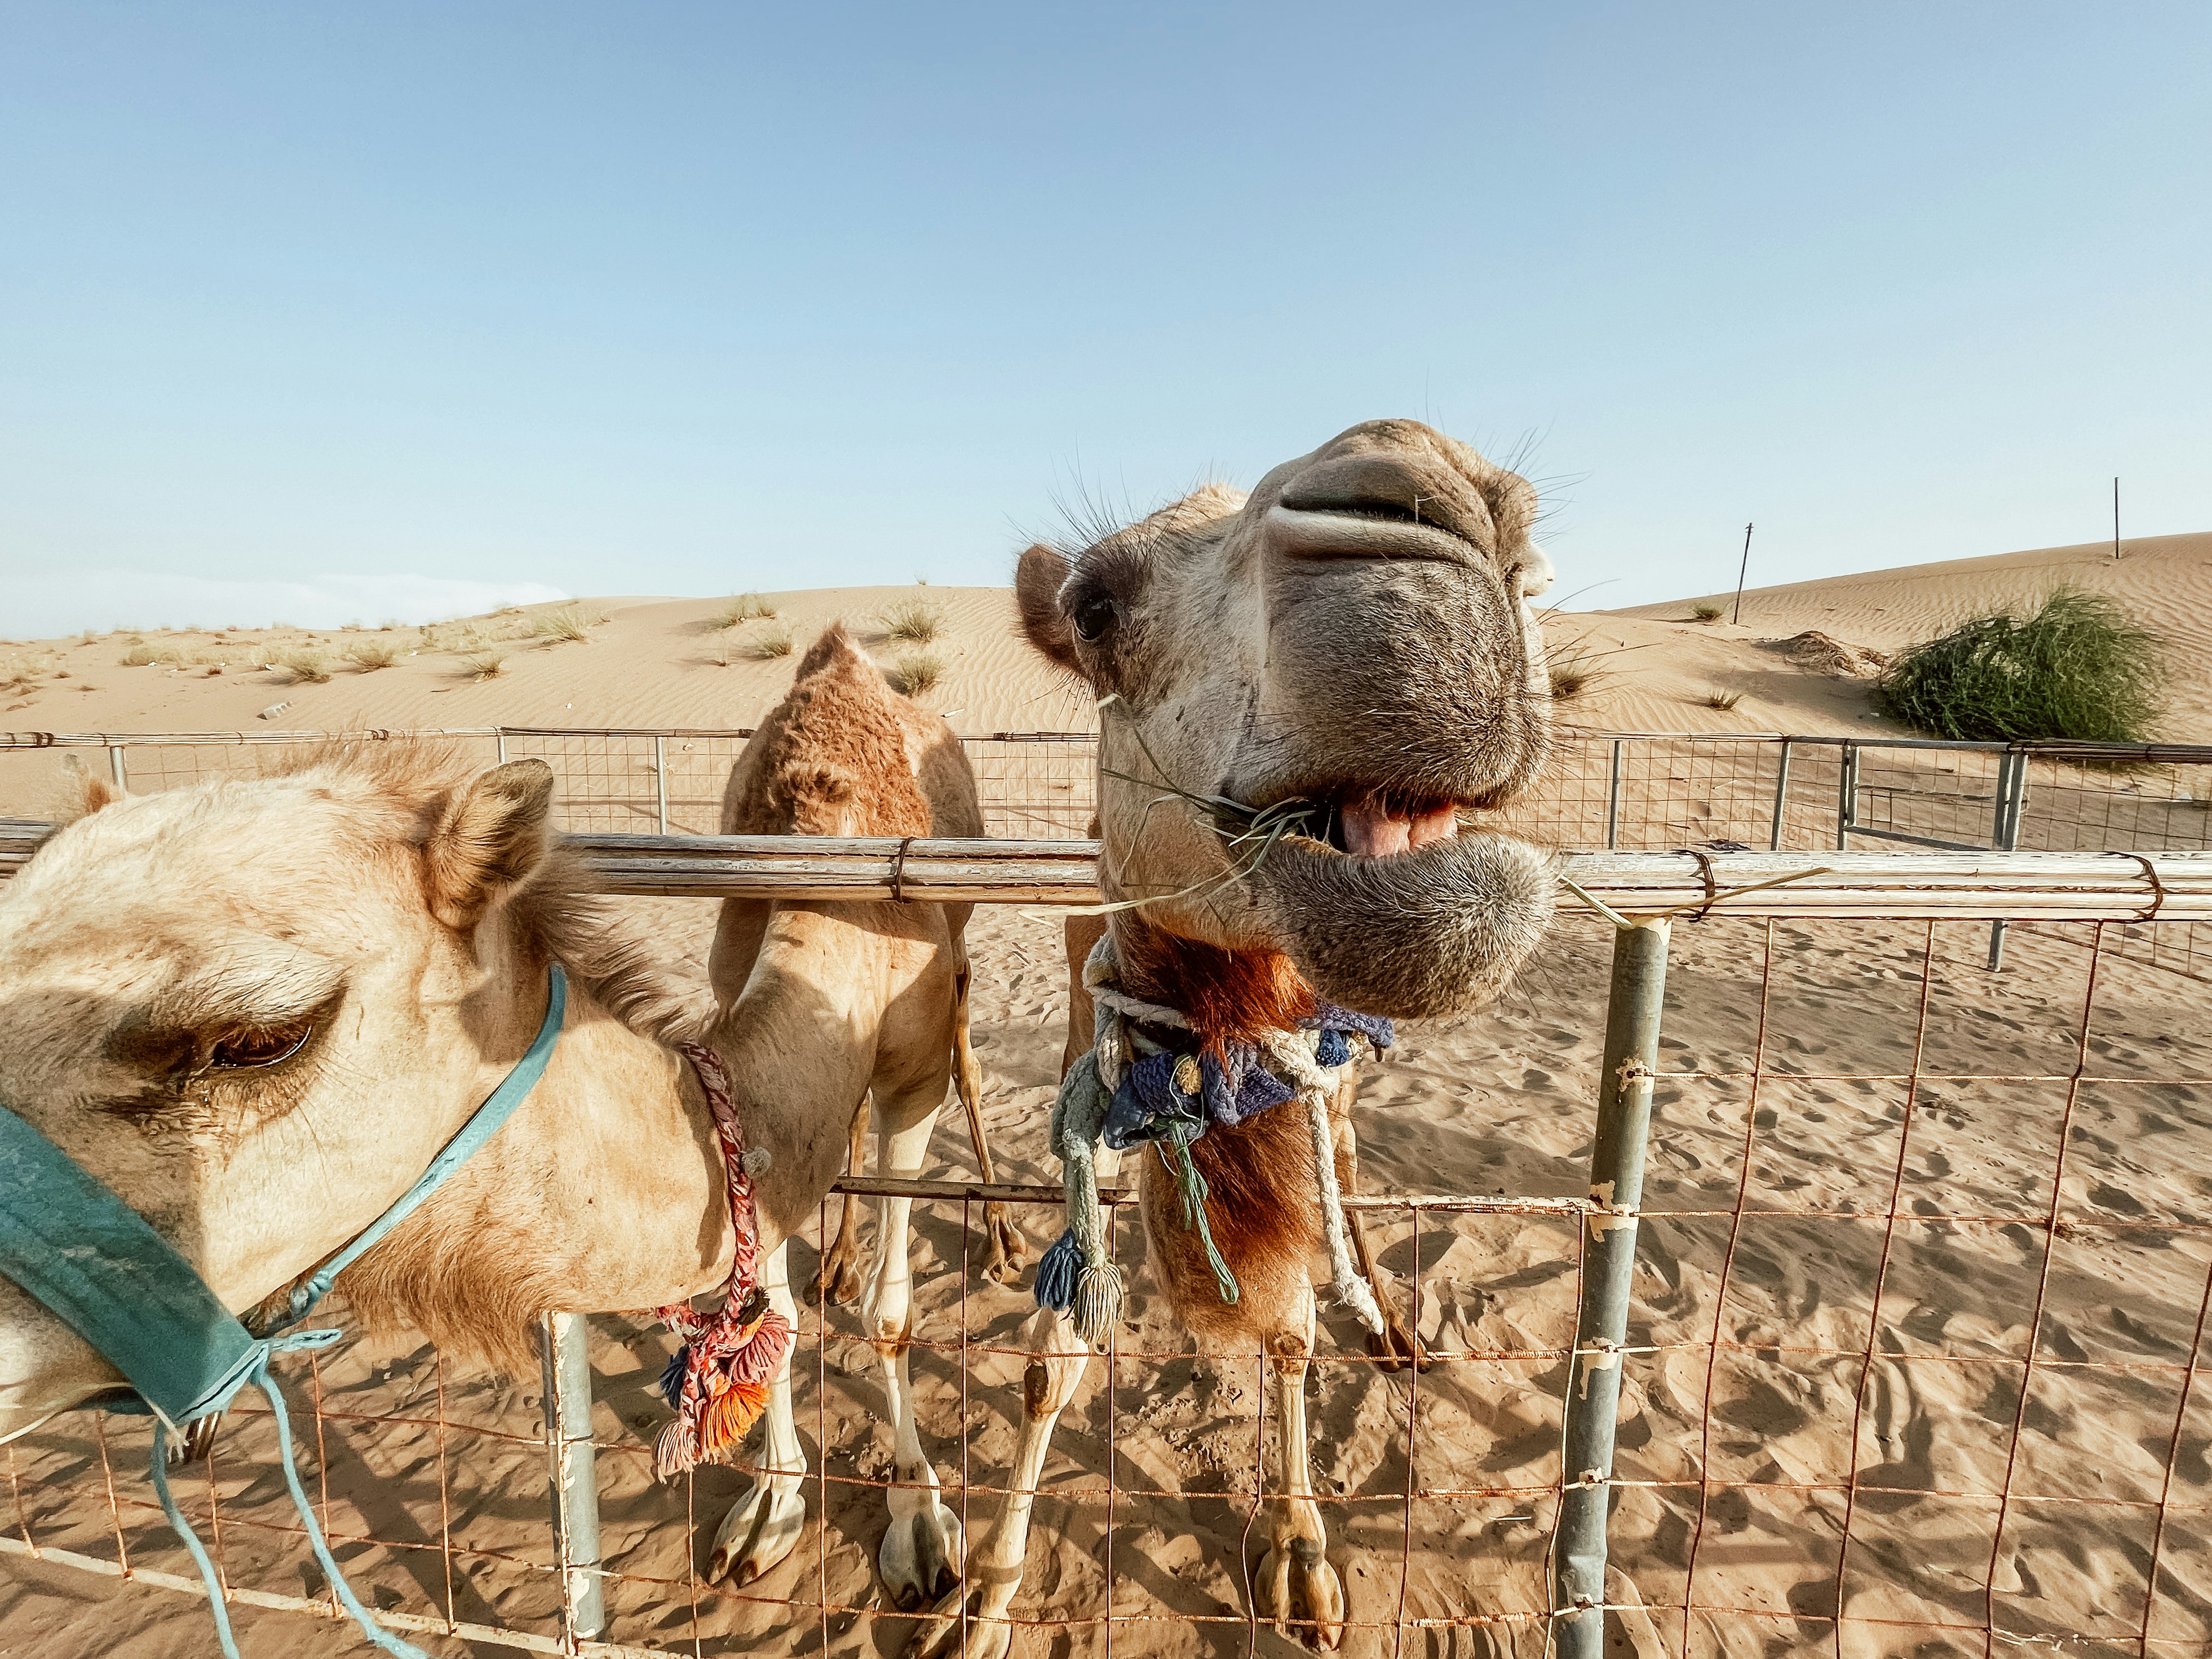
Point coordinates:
[[1744, 569], [2116, 521]]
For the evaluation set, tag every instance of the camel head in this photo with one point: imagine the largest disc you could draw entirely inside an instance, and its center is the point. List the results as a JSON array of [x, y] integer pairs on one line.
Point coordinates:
[[256, 1010], [1303, 692]]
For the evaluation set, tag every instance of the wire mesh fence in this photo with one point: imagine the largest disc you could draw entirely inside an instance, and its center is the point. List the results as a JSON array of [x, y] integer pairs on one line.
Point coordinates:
[[1914, 1360]]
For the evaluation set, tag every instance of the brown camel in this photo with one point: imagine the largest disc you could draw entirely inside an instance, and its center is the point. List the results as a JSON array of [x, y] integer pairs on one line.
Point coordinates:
[[256, 1009], [1301, 692]]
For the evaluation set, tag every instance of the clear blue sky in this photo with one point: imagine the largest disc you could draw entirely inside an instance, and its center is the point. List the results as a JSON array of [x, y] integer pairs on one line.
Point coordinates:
[[671, 299]]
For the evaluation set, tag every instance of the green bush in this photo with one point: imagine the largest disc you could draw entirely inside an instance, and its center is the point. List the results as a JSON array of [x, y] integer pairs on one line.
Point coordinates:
[[2080, 667]]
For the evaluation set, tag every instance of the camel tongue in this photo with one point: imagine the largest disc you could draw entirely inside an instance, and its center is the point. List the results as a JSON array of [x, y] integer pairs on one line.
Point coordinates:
[[1375, 826]]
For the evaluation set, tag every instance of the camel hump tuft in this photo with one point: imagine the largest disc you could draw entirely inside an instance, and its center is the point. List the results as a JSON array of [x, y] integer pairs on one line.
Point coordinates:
[[831, 758]]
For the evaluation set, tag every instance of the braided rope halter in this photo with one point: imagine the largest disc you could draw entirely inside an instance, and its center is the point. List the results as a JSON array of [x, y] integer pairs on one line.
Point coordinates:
[[1128, 1088]]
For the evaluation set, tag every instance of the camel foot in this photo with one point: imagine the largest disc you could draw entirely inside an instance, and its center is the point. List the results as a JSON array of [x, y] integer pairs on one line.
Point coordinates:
[[839, 1281], [1396, 1345], [940, 1637], [761, 1529], [1300, 1578], [920, 1559], [1006, 1248]]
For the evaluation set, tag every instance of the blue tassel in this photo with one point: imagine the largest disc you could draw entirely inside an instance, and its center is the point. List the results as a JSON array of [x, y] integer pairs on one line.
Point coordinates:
[[1332, 1049], [1056, 1272], [672, 1378]]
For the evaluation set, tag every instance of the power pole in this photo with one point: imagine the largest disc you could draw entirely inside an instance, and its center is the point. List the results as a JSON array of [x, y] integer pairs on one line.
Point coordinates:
[[2116, 521], [1743, 570]]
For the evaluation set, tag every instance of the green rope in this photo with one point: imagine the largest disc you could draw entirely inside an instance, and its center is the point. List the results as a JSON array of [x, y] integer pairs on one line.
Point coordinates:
[[1193, 1190]]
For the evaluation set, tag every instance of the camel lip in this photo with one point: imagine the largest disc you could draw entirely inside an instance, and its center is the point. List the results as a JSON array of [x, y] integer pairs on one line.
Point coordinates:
[[1365, 530]]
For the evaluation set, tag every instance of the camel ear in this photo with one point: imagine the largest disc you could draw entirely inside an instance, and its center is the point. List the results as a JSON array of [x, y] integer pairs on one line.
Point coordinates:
[[82, 793], [487, 841], [1038, 578]]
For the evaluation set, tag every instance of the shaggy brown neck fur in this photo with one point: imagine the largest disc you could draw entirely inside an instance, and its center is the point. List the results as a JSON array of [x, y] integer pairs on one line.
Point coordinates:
[[1228, 996]]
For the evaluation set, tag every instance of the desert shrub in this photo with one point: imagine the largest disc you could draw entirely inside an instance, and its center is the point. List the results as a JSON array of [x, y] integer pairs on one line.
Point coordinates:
[[1720, 698], [1704, 613], [742, 607], [570, 622], [369, 655], [912, 672], [916, 621], [305, 667], [141, 656], [773, 642], [1573, 674], [2078, 667], [484, 665]]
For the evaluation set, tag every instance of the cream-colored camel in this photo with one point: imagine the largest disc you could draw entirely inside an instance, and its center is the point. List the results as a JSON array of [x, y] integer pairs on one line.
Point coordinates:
[[1346, 651], [257, 1009]]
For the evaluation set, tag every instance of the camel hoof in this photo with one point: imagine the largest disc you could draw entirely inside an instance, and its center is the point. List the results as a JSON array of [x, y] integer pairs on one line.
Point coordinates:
[[761, 1529], [939, 1638], [1006, 1247], [919, 1560], [839, 1279], [1394, 1347], [1300, 1578]]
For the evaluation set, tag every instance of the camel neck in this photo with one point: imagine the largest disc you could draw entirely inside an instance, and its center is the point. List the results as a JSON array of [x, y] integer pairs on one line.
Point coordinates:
[[1228, 996]]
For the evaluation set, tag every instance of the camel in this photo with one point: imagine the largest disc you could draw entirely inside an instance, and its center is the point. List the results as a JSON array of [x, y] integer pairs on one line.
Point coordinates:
[[1301, 691], [255, 1010]]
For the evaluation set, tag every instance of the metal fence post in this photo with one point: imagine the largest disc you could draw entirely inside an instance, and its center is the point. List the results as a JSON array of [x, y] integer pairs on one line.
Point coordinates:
[[2005, 830], [1594, 1379], [1781, 798], [1847, 795], [115, 763], [661, 778], [576, 1477], [1613, 802], [503, 746]]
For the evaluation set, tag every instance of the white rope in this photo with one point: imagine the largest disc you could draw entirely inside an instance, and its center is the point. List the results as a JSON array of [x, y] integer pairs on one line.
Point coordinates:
[[1316, 1086]]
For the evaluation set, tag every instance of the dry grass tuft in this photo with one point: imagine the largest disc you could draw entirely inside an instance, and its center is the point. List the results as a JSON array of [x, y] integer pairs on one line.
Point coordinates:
[[912, 672], [486, 664], [1718, 698], [1574, 674], [916, 621], [570, 623], [306, 666], [141, 656], [774, 641], [1704, 613], [369, 655], [742, 607]]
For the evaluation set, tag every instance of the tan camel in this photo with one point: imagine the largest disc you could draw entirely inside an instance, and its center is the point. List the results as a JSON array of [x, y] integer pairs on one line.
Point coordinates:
[[1347, 655], [257, 1009]]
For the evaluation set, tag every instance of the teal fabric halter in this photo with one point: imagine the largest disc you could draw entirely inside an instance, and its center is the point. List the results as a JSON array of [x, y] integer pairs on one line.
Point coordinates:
[[93, 1263]]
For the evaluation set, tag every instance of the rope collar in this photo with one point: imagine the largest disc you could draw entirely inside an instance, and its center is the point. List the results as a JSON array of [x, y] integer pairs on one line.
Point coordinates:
[[1146, 1078], [94, 1263]]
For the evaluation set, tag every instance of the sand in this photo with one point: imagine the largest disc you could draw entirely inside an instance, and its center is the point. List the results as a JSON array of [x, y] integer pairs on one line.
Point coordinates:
[[1849, 1170]]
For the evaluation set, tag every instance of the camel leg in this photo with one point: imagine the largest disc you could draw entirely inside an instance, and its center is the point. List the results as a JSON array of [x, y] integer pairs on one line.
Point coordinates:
[[1294, 1572], [920, 1555], [839, 1279], [762, 1527], [1397, 1343], [1057, 1359], [1006, 1249]]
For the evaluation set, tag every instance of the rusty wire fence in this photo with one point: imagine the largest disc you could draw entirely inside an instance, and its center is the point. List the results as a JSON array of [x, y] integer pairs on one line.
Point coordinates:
[[1913, 1358]]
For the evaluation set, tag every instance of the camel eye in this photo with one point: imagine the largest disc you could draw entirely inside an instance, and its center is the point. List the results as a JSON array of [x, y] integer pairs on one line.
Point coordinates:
[[1094, 616], [245, 1050]]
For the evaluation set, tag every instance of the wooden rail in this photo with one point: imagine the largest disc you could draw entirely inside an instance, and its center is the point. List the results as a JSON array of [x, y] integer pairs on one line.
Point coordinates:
[[1965, 886]]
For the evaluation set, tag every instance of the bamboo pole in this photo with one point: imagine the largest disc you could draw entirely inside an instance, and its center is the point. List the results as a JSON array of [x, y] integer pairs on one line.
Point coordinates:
[[1970, 886]]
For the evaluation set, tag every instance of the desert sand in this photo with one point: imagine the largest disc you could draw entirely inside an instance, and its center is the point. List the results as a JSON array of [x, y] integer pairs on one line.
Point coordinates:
[[1903, 1120]]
